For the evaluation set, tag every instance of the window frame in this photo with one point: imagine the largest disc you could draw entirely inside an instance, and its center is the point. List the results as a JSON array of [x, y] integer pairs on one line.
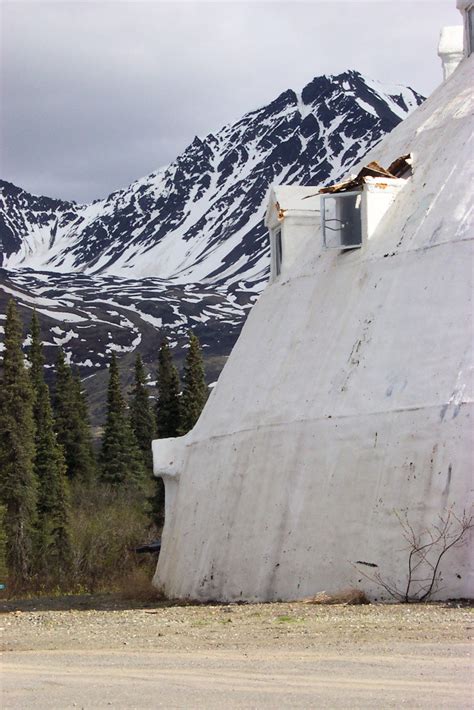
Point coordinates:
[[277, 250], [341, 196], [470, 30]]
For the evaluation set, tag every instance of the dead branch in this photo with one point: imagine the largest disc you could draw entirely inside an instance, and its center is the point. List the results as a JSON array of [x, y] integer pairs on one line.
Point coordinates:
[[426, 550]]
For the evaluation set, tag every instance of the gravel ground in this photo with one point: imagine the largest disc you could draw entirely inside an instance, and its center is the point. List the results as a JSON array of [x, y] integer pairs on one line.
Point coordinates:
[[98, 652]]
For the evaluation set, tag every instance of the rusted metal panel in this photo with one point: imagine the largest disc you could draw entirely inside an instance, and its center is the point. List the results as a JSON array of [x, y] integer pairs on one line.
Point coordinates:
[[398, 167], [401, 165]]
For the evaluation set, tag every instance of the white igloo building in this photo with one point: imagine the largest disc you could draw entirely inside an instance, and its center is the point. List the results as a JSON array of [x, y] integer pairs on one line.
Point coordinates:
[[346, 405]]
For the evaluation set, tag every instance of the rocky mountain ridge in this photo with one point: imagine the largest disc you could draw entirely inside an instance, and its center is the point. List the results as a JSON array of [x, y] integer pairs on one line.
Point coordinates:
[[186, 245], [200, 219]]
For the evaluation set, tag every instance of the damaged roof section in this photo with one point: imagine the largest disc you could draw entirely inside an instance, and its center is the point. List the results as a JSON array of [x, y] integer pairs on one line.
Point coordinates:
[[290, 199], [397, 169]]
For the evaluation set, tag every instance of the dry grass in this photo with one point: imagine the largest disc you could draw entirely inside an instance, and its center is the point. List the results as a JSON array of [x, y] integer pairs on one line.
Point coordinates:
[[346, 597], [108, 523], [137, 584]]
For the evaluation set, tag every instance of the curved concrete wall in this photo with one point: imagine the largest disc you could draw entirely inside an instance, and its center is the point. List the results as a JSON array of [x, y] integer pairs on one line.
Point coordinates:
[[348, 396]]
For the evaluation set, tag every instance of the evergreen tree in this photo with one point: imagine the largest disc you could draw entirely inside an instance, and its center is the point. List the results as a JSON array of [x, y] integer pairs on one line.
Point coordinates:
[[141, 415], [168, 418], [54, 544], [53, 552], [168, 402], [157, 503], [85, 468], [194, 386], [3, 546], [121, 461], [72, 423], [35, 355], [18, 488]]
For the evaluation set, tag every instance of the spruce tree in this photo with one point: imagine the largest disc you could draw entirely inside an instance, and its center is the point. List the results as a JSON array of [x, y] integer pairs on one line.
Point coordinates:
[[35, 355], [53, 550], [168, 402], [141, 415], [194, 386], [85, 467], [18, 487], [121, 461], [156, 503], [72, 423], [3, 548], [168, 420]]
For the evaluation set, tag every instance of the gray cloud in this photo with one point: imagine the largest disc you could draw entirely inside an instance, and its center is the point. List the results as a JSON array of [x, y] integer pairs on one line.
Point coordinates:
[[96, 94]]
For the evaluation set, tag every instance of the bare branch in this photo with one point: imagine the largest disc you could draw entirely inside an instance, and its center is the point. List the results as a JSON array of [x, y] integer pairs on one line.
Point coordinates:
[[426, 550]]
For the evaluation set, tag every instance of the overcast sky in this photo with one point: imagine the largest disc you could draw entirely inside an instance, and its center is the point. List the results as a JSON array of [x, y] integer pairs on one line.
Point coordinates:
[[96, 94]]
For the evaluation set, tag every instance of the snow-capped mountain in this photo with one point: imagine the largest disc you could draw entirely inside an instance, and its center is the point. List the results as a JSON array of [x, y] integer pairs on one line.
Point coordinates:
[[200, 219], [184, 247]]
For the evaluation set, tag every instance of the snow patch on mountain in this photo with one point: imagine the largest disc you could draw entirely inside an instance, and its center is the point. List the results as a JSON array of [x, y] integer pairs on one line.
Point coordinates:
[[200, 219], [184, 247]]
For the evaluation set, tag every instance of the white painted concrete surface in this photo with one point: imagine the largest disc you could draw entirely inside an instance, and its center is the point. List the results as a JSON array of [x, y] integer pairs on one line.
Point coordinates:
[[296, 212], [451, 48], [348, 396]]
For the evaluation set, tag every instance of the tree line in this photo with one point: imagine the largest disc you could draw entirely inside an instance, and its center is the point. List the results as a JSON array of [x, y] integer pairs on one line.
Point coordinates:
[[47, 456]]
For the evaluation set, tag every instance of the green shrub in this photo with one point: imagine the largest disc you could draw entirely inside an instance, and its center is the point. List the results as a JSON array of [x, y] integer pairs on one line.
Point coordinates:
[[108, 522]]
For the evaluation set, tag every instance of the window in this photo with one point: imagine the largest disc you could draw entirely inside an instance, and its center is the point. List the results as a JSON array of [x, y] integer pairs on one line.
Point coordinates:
[[341, 216], [470, 31], [277, 251]]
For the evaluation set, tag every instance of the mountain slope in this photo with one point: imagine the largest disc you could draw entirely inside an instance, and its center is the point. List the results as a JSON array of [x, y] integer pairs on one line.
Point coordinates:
[[184, 247], [92, 316], [201, 218]]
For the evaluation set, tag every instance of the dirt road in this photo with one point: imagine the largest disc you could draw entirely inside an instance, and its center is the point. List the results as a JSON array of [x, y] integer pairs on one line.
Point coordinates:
[[102, 653]]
